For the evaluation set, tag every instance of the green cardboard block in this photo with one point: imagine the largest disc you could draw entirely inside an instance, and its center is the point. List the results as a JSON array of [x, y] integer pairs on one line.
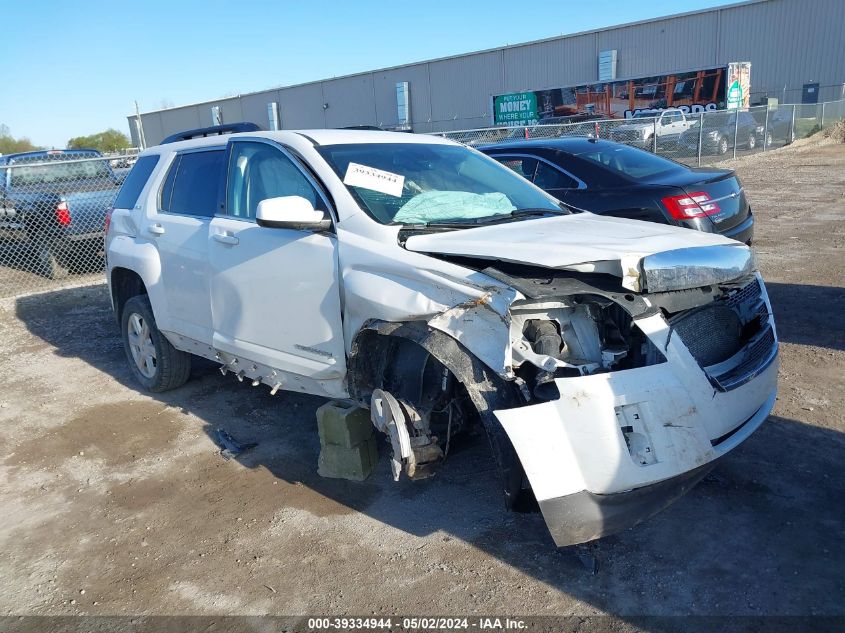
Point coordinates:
[[342, 424], [355, 463]]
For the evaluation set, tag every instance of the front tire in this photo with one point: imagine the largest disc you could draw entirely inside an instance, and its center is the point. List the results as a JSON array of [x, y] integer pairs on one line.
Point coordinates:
[[156, 364], [752, 141], [722, 147]]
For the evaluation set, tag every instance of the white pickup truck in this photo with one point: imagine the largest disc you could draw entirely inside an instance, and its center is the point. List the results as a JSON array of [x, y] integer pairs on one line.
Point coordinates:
[[611, 362], [667, 125]]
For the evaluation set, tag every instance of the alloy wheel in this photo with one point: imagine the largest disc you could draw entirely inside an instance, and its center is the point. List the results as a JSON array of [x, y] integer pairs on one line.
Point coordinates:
[[141, 345]]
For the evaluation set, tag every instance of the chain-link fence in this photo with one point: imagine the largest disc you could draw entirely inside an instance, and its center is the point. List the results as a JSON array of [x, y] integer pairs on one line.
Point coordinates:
[[53, 208], [695, 139]]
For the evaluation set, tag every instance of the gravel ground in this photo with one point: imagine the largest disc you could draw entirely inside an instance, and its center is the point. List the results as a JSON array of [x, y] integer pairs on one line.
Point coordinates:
[[117, 502]]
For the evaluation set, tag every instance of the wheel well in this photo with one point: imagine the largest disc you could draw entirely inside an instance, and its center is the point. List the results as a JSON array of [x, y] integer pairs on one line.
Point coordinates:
[[371, 365], [125, 284]]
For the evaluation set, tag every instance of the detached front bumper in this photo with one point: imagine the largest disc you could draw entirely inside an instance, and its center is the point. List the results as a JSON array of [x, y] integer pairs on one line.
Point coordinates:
[[616, 448], [585, 516]]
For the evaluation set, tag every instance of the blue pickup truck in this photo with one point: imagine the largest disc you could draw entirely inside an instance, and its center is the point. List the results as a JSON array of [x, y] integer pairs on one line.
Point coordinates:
[[56, 202]]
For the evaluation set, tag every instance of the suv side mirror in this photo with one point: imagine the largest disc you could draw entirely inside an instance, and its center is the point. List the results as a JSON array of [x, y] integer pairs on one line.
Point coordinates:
[[290, 212]]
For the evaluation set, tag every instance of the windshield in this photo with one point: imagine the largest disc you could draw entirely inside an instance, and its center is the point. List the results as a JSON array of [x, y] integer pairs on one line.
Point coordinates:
[[421, 183], [66, 168], [630, 162]]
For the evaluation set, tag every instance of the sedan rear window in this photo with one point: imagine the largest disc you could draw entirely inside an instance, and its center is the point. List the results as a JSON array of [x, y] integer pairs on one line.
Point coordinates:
[[630, 162]]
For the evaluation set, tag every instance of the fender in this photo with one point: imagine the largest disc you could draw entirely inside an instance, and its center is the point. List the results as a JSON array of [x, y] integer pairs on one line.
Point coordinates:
[[141, 258]]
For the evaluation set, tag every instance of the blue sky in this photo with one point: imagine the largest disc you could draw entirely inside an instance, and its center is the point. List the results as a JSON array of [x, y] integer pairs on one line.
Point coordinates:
[[69, 68]]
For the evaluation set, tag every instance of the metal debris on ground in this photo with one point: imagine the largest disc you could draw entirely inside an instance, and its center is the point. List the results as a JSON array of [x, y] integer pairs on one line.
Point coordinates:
[[229, 446]]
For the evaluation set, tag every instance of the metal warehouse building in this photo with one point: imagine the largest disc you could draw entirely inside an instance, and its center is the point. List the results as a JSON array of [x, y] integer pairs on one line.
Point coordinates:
[[796, 49]]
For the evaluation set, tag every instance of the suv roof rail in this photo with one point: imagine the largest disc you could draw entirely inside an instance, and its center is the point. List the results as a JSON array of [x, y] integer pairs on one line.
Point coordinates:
[[214, 130]]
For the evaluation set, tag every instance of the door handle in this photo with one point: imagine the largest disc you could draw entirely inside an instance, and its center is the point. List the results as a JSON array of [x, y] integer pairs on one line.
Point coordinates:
[[225, 238], [156, 229]]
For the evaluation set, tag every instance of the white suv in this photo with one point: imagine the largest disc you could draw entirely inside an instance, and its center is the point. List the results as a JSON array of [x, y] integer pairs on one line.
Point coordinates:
[[610, 361]]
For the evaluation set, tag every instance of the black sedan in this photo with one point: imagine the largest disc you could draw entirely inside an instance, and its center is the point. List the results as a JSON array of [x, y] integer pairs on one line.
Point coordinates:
[[614, 179]]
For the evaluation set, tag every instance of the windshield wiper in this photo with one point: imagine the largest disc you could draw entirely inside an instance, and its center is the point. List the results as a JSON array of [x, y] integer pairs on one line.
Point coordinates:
[[498, 218]]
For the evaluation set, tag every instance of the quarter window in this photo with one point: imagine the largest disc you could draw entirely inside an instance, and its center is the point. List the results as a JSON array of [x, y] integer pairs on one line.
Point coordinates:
[[135, 181], [525, 167], [192, 184], [548, 177], [543, 175], [258, 171]]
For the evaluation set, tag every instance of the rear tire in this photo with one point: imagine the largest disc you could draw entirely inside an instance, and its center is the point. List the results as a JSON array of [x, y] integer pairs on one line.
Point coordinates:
[[50, 263], [752, 141], [156, 364]]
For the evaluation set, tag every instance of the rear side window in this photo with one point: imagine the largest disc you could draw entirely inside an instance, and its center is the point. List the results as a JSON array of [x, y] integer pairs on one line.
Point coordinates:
[[538, 172], [550, 178], [191, 186], [525, 167], [629, 161], [129, 193]]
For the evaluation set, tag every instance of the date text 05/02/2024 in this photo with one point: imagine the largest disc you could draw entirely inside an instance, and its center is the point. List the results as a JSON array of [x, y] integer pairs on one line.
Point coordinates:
[[417, 623]]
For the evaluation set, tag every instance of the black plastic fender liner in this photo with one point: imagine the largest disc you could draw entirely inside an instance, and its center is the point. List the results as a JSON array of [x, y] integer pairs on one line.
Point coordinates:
[[487, 391]]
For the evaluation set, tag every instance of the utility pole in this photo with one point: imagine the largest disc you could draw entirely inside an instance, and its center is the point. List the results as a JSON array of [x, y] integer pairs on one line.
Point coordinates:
[[141, 140]]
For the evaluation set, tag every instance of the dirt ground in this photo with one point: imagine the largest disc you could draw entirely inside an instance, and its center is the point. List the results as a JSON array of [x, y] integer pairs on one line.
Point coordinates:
[[118, 502]]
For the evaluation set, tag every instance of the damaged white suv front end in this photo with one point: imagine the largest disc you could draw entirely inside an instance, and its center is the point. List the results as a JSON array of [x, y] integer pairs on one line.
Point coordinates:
[[618, 359], [613, 447], [633, 388]]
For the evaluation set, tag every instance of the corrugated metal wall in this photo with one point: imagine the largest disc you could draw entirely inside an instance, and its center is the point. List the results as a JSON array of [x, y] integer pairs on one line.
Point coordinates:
[[461, 89], [570, 60], [788, 42], [663, 45]]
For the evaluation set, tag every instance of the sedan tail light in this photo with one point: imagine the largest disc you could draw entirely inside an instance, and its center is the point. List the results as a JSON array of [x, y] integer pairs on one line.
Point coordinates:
[[688, 206], [63, 214], [107, 222]]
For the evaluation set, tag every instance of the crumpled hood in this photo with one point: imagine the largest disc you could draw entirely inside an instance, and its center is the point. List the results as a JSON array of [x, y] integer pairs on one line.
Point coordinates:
[[583, 241]]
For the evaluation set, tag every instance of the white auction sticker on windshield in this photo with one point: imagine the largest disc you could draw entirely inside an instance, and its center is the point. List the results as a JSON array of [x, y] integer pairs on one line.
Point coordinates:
[[375, 179]]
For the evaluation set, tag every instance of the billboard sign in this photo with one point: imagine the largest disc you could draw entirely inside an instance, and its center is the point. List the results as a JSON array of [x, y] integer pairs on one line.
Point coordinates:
[[739, 85], [519, 108], [693, 91]]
